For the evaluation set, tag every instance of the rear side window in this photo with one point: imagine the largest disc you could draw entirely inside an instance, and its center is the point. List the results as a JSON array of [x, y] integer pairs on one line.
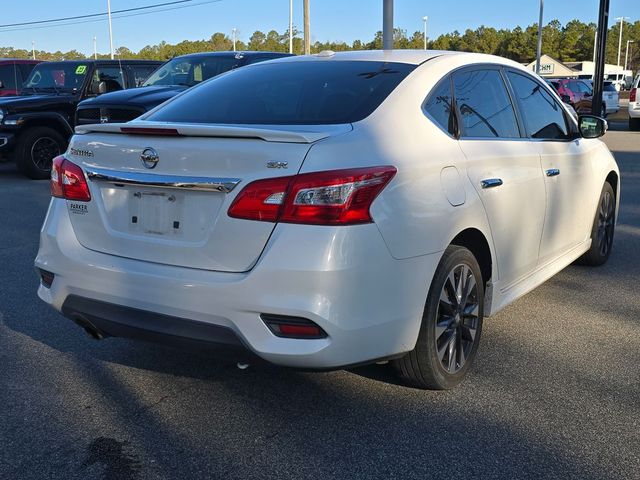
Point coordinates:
[[438, 105], [9, 76], [288, 93], [484, 105], [543, 117]]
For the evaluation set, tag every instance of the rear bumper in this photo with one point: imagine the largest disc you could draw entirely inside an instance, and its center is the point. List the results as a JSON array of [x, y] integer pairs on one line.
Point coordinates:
[[634, 110], [341, 278]]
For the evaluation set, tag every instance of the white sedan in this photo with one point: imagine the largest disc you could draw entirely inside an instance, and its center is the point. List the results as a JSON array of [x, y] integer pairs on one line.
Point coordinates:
[[330, 210]]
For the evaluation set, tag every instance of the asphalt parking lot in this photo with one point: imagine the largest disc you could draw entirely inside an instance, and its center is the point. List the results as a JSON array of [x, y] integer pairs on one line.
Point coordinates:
[[555, 392]]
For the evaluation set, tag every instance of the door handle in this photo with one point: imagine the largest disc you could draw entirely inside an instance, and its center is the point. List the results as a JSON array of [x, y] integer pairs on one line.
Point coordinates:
[[491, 182], [552, 172]]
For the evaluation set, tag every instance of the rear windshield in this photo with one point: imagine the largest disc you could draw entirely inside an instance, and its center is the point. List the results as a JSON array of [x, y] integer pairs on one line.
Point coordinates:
[[288, 93], [609, 87]]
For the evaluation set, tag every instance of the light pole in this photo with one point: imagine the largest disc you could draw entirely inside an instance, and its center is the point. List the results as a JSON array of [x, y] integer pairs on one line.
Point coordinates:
[[33, 49], [110, 29], [622, 19], [626, 55], [307, 27], [387, 24], [233, 32], [95, 50], [539, 50], [290, 26], [425, 19]]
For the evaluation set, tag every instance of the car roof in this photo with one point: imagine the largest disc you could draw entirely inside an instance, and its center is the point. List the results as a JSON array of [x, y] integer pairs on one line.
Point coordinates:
[[414, 57], [242, 54], [19, 60]]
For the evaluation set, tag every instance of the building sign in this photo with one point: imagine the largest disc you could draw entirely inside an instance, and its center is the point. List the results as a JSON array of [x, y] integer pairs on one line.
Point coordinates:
[[546, 68]]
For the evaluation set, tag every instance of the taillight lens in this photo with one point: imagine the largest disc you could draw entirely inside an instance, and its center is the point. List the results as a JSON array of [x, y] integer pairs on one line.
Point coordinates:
[[633, 94], [337, 197], [68, 181]]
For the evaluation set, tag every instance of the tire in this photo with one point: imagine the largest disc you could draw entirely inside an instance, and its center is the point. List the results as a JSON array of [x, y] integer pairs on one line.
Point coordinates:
[[424, 367], [602, 230], [603, 111], [634, 124], [36, 149]]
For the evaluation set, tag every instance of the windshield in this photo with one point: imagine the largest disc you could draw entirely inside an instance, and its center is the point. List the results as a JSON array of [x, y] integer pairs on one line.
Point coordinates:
[[288, 93], [190, 71], [58, 76]]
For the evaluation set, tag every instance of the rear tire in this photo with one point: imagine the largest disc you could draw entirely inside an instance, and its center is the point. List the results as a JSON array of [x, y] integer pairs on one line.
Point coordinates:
[[602, 230], [36, 148], [634, 124], [451, 324]]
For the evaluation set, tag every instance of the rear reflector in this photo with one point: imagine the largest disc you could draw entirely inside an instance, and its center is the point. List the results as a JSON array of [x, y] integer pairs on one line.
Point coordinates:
[[68, 181], [336, 197], [292, 327], [171, 132], [633, 95], [46, 278]]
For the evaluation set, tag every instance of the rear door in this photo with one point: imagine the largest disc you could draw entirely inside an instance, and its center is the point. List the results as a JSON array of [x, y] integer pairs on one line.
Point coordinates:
[[564, 163], [503, 167]]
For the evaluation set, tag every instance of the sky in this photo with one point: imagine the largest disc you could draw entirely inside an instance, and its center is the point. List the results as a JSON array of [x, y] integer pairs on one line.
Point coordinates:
[[331, 20]]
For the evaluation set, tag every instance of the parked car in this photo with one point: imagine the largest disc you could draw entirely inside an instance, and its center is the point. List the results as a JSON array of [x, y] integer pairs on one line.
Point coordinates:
[[610, 96], [36, 126], [330, 210], [634, 105], [13, 71], [566, 101], [578, 94], [170, 79]]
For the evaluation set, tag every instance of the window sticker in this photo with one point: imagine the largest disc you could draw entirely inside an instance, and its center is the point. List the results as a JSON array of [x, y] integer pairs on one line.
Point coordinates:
[[81, 69]]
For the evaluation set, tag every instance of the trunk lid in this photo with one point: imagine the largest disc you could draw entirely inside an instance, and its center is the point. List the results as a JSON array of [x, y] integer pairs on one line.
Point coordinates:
[[176, 212]]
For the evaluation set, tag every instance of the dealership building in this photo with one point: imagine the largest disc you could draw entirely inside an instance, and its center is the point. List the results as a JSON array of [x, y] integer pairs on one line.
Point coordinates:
[[552, 68]]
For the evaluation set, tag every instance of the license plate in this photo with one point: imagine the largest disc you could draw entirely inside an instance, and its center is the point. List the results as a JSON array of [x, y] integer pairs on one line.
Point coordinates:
[[156, 212]]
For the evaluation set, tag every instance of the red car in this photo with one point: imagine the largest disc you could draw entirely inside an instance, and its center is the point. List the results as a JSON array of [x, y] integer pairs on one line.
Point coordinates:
[[12, 73], [576, 93]]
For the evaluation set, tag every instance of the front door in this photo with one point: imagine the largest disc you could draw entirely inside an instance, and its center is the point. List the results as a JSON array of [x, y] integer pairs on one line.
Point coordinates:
[[564, 164]]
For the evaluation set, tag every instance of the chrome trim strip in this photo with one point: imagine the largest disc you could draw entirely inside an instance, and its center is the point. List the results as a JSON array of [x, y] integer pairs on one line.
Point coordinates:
[[207, 184], [491, 182]]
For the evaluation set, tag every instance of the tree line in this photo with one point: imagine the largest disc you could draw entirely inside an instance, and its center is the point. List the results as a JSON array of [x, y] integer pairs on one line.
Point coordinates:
[[567, 43]]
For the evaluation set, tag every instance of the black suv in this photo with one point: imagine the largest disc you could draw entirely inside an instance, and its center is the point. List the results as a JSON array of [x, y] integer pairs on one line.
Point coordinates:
[[36, 126], [170, 79]]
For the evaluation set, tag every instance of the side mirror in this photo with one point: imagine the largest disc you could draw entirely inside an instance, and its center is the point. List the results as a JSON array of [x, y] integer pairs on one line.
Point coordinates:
[[591, 126], [98, 88]]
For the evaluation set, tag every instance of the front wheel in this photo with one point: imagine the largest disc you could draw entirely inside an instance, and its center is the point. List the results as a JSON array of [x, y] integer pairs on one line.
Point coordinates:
[[36, 149], [451, 324], [602, 230]]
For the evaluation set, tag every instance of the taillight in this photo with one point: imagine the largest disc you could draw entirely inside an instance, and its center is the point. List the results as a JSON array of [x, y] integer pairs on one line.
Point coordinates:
[[336, 197], [633, 94], [68, 181]]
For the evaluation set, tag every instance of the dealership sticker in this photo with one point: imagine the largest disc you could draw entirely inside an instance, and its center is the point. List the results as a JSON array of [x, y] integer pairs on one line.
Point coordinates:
[[81, 69], [78, 208]]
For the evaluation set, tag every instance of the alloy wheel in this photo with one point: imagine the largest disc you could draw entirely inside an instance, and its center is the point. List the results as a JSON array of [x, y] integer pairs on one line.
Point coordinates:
[[457, 318], [605, 223], [43, 151]]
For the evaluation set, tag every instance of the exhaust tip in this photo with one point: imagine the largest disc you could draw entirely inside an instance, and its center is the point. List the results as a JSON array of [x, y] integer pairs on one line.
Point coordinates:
[[89, 328]]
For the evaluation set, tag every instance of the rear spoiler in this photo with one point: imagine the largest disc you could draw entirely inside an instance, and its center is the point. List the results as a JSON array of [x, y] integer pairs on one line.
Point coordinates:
[[269, 133]]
